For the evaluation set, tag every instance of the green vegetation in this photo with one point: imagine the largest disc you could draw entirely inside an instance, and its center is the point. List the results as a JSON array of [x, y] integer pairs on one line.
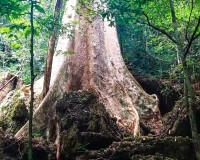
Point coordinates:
[[142, 50], [151, 44], [146, 48], [15, 32]]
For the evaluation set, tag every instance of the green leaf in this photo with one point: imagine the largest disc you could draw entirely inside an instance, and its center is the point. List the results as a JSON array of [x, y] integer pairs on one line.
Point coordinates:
[[25, 7], [27, 32], [16, 37], [15, 15], [36, 32], [112, 23], [5, 30], [39, 9], [15, 45], [10, 36], [104, 15]]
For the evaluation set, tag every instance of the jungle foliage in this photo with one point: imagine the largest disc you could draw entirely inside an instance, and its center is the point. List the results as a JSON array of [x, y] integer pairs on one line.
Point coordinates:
[[146, 49], [15, 31], [146, 35]]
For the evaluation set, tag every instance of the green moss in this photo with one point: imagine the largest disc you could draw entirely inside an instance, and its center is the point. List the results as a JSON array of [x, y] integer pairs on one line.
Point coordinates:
[[14, 116], [19, 112]]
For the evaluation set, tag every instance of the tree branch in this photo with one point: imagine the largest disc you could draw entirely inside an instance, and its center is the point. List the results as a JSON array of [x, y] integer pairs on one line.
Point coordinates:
[[194, 36], [8, 82], [186, 33], [159, 29]]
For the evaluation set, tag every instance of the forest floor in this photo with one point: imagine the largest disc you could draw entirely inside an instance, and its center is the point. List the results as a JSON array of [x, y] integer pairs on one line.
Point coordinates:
[[88, 132]]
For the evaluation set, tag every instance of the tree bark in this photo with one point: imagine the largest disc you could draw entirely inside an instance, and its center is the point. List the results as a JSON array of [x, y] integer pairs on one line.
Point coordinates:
[[51, 47], [190, 100], [98, 66], [48, 66]]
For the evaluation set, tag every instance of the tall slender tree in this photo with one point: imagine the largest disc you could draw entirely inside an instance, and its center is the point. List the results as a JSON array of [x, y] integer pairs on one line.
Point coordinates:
[[60, 4], [32, 81]]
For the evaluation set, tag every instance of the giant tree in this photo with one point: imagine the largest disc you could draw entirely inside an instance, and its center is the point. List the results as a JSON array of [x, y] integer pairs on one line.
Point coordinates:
[[97, 65]]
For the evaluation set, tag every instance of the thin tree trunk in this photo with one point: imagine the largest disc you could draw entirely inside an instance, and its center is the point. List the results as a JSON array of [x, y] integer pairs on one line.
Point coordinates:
[[190, 100], [51, 47], [48, 66], [32, 85]]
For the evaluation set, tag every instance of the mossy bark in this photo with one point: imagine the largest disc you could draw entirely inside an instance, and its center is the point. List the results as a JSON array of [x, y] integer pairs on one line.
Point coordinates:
[[13, 116]]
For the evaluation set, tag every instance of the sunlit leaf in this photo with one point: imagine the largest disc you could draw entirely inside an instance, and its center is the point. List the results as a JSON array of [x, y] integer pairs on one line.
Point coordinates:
[[27, 32], [15, 45], [39, 9]]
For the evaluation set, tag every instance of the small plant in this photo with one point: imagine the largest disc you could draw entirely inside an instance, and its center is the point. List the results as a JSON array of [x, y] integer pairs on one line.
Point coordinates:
[[36, 134]]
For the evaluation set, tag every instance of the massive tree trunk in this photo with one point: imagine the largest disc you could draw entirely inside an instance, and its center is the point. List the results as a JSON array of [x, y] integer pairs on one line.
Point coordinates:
[[97, 66]]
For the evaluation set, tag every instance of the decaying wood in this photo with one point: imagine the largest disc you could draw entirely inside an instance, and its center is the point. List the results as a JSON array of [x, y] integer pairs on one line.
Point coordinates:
[[14, 77]]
